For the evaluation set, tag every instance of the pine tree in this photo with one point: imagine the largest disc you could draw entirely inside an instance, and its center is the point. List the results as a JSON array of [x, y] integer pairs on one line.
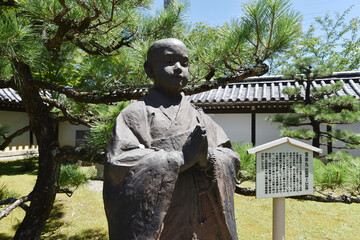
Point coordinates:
[[64, 58], [317, 56]]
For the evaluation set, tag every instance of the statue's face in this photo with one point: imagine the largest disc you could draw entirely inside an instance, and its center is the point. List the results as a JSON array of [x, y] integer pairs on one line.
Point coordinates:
[[169, 64]]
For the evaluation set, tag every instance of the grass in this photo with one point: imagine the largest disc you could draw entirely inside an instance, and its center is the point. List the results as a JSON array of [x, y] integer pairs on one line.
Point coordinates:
[[304, 219], [82, 216]]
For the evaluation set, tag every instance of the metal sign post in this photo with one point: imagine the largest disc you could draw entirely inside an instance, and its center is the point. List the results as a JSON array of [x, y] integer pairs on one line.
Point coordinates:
[[284, 168]]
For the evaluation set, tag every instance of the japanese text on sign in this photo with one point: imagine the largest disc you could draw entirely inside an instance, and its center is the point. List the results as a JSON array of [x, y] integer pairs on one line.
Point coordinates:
[[284, 173]]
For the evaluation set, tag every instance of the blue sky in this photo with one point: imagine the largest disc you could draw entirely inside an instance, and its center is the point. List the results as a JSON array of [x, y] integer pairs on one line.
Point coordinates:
[[217, 12]]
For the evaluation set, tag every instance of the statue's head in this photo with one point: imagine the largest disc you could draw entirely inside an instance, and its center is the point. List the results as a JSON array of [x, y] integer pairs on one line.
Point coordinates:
[[168, 64]]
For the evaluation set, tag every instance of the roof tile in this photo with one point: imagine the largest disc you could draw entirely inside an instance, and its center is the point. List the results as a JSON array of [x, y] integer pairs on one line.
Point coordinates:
[[269, 88]]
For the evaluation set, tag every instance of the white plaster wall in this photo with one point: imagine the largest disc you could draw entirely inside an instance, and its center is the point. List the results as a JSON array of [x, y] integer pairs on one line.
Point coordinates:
[[236, 126], [67, 133], [15, 121], [266, 131]]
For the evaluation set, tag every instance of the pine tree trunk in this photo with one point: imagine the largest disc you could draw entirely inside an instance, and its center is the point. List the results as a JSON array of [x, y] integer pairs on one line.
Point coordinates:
[[42, 125], [329, 144], [42, 197]]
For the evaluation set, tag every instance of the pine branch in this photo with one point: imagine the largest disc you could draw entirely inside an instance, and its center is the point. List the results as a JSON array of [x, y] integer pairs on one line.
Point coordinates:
[[340, 148], [73, 120], [295, 124], [157, 33], [271, 32], [15, 203], [342, 139], [83, 47], [8, 139], [72, 30], [57, 40], [67, 116], [79, 154], [97, 49], [65, 25], [54, 103], [222, 81], [90, 97], [83, 5], [67, 191], [108, 20]]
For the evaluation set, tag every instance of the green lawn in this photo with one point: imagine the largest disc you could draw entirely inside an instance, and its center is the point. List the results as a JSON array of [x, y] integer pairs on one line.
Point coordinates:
[[304, 219], [82, 216]]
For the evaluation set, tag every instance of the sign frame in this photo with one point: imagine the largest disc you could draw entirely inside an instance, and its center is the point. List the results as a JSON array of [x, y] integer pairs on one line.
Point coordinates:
[[284, 171]]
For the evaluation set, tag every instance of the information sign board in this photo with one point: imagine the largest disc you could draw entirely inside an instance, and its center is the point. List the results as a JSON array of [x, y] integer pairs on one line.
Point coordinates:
[[284, 170]]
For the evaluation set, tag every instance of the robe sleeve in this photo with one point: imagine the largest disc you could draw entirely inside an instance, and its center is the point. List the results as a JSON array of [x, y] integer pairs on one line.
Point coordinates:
[[138, 181], [224, 170]]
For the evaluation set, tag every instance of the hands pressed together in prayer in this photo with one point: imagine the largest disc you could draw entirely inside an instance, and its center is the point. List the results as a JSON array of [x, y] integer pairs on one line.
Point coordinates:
[[195, 149]]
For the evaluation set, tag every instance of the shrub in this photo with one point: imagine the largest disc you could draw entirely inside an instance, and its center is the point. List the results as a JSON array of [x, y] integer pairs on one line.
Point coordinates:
[[100, 131], [5, 193], [342, 171], [72, 176], [340, 156], [331, 175], [247, 166]]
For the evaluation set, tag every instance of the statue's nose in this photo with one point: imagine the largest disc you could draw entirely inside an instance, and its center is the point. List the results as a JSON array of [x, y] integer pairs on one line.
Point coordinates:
[[177, 67]]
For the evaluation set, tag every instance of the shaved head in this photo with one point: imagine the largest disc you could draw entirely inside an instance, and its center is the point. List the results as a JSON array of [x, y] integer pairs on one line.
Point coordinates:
[[163, 44]]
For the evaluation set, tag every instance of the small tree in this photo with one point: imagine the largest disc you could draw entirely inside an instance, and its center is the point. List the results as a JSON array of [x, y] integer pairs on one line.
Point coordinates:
[[317, 56]]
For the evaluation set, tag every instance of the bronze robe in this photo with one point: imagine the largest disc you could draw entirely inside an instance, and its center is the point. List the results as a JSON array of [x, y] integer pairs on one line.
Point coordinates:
[[146, 197]]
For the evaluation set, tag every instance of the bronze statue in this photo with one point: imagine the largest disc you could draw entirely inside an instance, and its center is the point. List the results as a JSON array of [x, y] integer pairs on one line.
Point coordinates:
[[170, 170]]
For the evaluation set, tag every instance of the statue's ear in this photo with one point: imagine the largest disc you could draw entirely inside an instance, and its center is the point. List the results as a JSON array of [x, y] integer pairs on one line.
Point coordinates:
[[148, 70]]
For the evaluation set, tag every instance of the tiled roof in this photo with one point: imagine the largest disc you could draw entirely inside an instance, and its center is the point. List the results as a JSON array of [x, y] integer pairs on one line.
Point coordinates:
[[268, 90], [9, 95], [10, 100]]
